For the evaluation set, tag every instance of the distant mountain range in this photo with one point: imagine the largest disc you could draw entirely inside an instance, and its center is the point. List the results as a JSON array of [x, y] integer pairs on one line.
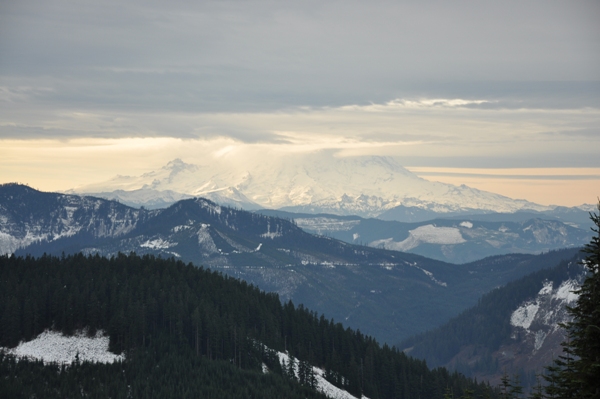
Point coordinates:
[[388, 294], [457, 240], [316, 183]]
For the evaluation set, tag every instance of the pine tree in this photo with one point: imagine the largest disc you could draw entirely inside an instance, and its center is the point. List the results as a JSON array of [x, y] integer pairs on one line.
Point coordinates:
[[537, 390], [291, 367], [516, 390], [576, 375], [505, 386]]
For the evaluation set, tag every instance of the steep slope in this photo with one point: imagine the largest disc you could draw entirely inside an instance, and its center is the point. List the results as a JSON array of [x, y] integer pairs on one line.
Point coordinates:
[[513, 329], [316, 182], [29, 216]]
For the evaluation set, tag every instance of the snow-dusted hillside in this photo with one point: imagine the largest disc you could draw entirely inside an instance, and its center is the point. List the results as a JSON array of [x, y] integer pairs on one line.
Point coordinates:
[[54, 347], [28, 217], [315, 182], [322, 385]]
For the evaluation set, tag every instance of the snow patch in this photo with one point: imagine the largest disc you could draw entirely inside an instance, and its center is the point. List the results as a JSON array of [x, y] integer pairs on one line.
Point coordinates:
[[177, 229], [272, 234], [158, 243], [428, 234], [321, 225], [205, 240], [9, 243], [54, 347], [565, 291], [430, 275], [540, 336], [524, 315], [324, 386], [546, 289], [210, 207]]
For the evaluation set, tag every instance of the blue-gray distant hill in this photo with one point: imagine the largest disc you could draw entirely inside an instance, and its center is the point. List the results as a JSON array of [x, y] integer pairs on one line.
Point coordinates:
[[457, 239]]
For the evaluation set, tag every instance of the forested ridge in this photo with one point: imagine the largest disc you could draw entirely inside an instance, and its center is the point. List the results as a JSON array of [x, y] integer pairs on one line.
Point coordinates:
[[189, 332]]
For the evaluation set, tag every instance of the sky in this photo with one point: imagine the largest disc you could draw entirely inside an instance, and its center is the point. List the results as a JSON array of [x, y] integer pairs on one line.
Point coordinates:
[[501, 96]]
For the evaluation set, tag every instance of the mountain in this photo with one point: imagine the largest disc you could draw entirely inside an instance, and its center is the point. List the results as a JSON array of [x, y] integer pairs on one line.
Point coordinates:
[[143, 197], [451, 240], [578, 217], [156, 199], [319, 182], [373, 289], [187, 332], [28, 216], [513, 329]]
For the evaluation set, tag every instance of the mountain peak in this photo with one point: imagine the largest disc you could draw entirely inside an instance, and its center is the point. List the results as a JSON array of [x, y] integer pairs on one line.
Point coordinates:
[[362, 185]]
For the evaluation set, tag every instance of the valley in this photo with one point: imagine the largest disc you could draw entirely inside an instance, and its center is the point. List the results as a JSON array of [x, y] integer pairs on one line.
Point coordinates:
[[388, 294]]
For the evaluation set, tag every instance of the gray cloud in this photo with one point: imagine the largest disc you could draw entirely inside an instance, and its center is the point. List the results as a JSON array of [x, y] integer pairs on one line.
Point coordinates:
[[241, 70], [224, 55]]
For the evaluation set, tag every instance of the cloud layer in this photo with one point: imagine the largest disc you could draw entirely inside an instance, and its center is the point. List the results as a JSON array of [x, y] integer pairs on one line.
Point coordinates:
[[462, 84]]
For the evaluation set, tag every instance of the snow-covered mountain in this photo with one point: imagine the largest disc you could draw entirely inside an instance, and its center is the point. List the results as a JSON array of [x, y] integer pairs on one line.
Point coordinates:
[[315, 182], [28, 216]]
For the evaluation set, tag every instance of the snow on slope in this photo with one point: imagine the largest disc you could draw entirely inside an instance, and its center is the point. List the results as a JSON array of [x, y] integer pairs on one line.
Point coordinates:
[[529, 311], [324, 386], [53, 347], [540, 317], [275, 179], [71, 215]]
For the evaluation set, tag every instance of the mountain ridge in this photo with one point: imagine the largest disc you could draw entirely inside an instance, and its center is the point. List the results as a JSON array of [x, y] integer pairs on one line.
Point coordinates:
[[373, 289]]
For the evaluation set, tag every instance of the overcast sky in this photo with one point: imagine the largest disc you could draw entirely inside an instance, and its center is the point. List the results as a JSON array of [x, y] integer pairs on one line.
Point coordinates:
[[504, 96]]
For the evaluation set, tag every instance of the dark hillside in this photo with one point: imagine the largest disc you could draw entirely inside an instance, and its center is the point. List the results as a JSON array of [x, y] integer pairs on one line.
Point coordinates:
[[189, 323]]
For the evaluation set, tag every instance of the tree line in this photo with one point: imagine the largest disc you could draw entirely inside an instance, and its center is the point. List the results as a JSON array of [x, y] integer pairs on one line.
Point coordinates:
[[186, 321]]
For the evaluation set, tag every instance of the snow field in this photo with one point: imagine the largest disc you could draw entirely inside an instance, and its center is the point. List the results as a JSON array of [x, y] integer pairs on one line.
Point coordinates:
[[428, 234], [54, 347]]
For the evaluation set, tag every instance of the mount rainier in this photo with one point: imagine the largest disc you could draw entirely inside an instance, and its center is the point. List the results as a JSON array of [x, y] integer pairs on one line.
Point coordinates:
[[313, 183]]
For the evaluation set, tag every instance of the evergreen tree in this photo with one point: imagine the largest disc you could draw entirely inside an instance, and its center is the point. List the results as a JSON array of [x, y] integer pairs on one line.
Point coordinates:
[[516, 390], [537, 392], [291, 367], [505, 386], [577, 373]]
